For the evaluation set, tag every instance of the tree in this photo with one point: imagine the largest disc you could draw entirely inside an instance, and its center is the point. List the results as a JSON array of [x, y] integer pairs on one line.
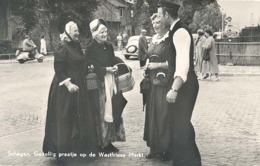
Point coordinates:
[[62, 11], [187, 10], [189, 7], [209, 17], [53, 14], [26, 10]]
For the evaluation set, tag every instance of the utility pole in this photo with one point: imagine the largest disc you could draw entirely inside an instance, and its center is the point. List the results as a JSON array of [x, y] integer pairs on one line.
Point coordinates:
[[222, 23], [222, 20], [252, 20]]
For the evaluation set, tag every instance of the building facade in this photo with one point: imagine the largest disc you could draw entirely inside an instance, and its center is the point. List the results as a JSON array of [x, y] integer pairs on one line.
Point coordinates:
[[5, 30], [117, 14]]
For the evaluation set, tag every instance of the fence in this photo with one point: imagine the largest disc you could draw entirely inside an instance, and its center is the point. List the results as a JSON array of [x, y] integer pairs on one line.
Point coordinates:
[[240, 53], [240, 39]]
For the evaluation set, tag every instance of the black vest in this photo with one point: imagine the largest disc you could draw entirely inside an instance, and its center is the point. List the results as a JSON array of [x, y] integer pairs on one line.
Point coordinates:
[[177, 26]]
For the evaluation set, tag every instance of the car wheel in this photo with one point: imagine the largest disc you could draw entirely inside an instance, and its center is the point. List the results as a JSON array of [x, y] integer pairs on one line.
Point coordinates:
[[21, 61], [127, 56], [40, 60]]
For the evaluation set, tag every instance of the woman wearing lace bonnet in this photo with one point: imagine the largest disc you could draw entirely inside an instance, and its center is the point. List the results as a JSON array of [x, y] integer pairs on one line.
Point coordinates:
[[107, 100], [68, 119]]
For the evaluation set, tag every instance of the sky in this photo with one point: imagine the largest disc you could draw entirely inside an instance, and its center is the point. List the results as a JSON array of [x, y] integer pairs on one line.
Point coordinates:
[[241, 11]]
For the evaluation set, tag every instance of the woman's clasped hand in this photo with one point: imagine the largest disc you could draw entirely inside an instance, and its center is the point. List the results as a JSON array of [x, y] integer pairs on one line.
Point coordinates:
[[71, 87], [112, 70]]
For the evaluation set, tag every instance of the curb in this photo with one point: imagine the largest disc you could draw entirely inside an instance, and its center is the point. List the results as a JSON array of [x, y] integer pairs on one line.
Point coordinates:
[[238, 74], [7, 61]]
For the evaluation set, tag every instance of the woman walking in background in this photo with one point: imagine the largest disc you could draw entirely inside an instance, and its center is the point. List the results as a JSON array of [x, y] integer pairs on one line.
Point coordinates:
[[119, 39], [199, 53], [43, 46], [107, 99], [157, 132], [210, 67]]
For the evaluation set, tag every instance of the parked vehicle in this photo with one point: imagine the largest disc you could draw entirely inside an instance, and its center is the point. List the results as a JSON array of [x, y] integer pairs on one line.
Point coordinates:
[[23, 56], [218, 35], [131, 49]]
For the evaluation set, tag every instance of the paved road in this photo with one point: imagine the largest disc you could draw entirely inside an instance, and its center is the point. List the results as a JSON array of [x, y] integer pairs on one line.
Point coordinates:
[[226, 120]]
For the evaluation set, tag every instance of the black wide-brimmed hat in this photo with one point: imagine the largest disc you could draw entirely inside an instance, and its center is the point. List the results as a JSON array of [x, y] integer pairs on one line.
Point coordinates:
[[168, 4]]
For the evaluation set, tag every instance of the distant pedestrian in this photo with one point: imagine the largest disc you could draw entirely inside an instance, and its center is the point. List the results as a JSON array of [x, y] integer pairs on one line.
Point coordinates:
[[210, 67], [119, 39], [215, 36], [125, 38], [142, 48], [199, 53], [43, 49]]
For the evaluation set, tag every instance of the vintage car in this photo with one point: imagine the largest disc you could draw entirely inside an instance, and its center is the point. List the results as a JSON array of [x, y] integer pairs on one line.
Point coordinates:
[[131, 49]]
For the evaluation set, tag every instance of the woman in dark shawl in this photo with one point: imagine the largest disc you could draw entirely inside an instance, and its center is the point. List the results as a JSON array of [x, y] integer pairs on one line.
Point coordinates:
[[68, 116]]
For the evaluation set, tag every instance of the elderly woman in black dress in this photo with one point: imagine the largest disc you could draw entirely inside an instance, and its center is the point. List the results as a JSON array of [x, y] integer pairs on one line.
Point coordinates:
[[68, 117], [156, 132], [107, 102]]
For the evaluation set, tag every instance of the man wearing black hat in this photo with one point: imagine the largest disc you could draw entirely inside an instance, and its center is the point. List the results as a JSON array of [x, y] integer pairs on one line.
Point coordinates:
[[182, 96]]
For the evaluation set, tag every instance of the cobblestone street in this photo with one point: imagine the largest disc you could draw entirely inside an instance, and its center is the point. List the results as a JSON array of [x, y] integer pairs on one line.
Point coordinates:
[[226, 119]]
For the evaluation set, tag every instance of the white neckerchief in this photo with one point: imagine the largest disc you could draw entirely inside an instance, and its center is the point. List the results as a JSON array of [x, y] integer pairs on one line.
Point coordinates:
[[157, 40], [110, 89]]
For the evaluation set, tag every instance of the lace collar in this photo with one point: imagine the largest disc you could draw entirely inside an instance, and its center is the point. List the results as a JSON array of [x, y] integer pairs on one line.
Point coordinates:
[[157, 40]]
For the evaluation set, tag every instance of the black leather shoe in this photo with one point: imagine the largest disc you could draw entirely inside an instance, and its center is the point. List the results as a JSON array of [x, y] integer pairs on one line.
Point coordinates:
[[166, 156], [111, 148], [150, 156], [206, 76]]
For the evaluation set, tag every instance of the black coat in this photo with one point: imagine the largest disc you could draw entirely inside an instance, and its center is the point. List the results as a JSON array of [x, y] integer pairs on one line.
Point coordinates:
[[68, 117], [142, 48], [102, 56]]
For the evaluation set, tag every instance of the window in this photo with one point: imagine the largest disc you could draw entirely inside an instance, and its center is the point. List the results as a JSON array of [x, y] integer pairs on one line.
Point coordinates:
[[132, 13], [121, 12]]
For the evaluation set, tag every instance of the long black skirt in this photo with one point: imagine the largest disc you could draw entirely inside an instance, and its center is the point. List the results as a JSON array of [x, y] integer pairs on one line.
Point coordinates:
[[69, 123], [108, 132], [157, 132]]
